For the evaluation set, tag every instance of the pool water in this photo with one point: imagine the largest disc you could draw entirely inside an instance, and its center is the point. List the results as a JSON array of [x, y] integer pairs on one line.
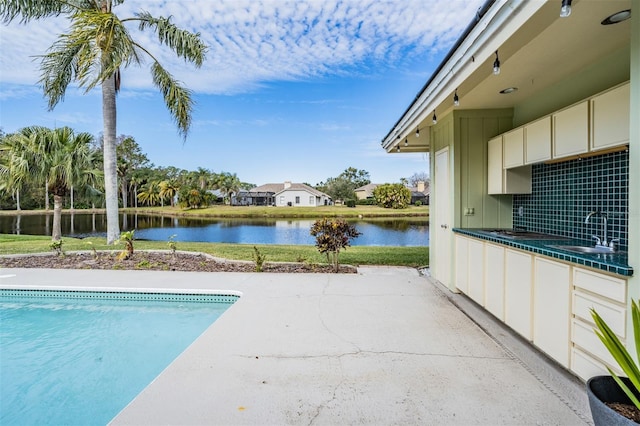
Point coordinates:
[[80, 358]]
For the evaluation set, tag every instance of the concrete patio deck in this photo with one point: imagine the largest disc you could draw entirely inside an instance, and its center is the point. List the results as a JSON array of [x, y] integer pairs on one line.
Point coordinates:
[[385, 346]]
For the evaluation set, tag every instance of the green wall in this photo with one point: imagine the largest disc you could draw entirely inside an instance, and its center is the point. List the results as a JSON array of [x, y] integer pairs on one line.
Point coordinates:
[[466, 133]]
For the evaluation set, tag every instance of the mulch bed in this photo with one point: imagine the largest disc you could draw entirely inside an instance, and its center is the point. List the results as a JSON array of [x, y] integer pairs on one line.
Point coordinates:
[[158, 261]]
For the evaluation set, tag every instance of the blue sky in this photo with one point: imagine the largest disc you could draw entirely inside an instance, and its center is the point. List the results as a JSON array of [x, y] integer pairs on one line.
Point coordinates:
[[290, 90]]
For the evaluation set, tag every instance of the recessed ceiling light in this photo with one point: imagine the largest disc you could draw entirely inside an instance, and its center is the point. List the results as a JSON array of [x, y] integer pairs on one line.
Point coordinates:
[[508, 90], [623, 15]]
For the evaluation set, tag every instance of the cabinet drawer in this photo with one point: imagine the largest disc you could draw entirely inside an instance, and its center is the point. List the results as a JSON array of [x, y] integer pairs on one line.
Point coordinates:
[[604, 285], [612, 314], [582, 334], [585, 366]]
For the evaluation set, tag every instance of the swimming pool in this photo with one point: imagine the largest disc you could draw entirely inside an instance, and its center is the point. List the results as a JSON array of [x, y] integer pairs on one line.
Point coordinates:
[[79, 357]]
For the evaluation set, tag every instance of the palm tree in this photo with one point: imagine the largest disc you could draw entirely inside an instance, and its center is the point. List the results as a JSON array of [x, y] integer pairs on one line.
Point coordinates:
[[150, 195], [168, 189], [60, 158], [229, 184], [92, 53]]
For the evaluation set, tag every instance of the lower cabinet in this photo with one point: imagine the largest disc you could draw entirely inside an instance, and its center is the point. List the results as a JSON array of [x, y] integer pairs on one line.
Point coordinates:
[[475, 271], [546, 301], [607, 295], [518, 291], [494, 279], [552, 308]]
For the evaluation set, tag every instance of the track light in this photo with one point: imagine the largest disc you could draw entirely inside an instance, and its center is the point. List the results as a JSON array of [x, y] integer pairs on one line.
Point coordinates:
[[496, 65], [406, 142], [434, 119], [417, 132], [456, 99], [565, 10]]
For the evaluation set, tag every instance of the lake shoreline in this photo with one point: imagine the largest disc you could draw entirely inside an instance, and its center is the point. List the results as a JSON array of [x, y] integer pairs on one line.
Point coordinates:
[[358, 212]]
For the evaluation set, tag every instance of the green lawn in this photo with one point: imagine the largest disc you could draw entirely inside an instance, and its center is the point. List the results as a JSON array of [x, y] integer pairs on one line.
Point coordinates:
[[357, 255]]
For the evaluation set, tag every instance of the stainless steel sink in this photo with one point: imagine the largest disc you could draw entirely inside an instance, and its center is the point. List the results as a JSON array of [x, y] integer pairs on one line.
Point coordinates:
[[522, 235], [586, 249]]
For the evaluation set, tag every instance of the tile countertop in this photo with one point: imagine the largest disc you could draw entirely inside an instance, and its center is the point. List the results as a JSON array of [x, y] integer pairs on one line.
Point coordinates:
[[616, 263]]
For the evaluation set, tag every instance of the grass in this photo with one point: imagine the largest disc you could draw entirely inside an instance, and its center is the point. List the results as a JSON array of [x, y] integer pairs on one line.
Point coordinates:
[[261, 212], [356, 255]]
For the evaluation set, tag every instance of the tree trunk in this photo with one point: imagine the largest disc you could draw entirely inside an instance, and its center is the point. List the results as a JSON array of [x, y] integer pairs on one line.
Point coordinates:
[[110, 171], [135, 195], [56, 232], [72, 197], [46, 195], [18, 200], [123, 190]]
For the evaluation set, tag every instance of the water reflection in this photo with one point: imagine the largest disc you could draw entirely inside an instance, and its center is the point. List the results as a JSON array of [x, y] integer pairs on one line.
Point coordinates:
[[375, 232]]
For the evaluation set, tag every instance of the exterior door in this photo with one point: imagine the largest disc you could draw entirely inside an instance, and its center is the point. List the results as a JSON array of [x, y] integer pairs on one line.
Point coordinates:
[[441, 247]]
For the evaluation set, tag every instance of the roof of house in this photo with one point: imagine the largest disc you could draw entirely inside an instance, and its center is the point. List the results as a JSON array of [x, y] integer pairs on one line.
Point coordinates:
[[280, 187], [368, 187]]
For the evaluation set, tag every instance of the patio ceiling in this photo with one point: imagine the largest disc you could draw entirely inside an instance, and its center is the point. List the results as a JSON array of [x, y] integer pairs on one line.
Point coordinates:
[[541, 52]]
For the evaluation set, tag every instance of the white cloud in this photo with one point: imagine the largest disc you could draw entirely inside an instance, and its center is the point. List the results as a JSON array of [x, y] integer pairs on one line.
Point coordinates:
[[256, 41]]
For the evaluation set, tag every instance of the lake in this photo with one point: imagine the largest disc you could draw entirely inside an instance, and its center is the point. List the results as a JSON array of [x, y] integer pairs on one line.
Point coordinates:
[[375, 232]]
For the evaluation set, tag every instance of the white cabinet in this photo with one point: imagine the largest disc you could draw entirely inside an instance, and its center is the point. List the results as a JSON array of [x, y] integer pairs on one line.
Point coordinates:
[[475, 271], [505, 181], [552, 309], [513, 149], [571, 131], [610, 118], [607, 295], [494, 279], [462, 264], [537, 141], [518, 291]]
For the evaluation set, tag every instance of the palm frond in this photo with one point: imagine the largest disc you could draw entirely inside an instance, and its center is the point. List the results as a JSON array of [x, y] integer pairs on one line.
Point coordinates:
[[176, 97], [184, 43], [619, 352], [28, 10]]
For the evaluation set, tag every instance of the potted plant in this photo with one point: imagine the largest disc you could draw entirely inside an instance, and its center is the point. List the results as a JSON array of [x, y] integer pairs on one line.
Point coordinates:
[[615, 400]]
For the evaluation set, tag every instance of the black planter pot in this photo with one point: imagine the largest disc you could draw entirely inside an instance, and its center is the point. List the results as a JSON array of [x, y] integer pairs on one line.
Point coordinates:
[[601, 389]]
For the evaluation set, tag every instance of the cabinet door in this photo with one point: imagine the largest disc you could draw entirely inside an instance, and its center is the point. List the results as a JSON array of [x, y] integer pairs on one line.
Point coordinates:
[[462, 264], [513, 153], [475, 271], [537, 141], [571, 131], [610, 118], [552, 309], [517, 292], [494, 280], [494, 166]]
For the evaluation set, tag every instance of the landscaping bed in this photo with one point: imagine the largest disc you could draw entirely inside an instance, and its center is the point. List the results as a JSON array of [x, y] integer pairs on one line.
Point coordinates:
[[158, 261]]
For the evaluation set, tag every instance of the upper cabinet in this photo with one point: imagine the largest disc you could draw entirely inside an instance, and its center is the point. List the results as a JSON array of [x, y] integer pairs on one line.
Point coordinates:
[[571, 131], [501, 180], [610, 118], [537, 141], [513, 149]]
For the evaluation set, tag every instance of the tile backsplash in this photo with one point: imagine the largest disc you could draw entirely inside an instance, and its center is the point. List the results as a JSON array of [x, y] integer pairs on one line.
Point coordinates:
[[564, 193]]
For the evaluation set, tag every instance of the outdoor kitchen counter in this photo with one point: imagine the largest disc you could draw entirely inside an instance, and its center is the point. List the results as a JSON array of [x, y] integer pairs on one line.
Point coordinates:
[[616, 263]]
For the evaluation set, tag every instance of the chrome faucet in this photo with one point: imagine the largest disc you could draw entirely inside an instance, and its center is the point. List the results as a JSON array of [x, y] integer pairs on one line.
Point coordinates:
[[599, 242]]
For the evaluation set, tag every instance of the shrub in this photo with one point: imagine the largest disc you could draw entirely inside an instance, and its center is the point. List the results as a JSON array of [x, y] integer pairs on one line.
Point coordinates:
[[258, 258], [172, 244], [418, 203], [392, 195], [57, 247], [367, 202], [350, 203], [332, 235], [127, 238]]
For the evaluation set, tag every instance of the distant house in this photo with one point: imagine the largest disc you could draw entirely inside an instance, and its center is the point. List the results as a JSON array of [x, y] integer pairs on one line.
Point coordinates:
[[282, 194], [418, 193], [366, 191]]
